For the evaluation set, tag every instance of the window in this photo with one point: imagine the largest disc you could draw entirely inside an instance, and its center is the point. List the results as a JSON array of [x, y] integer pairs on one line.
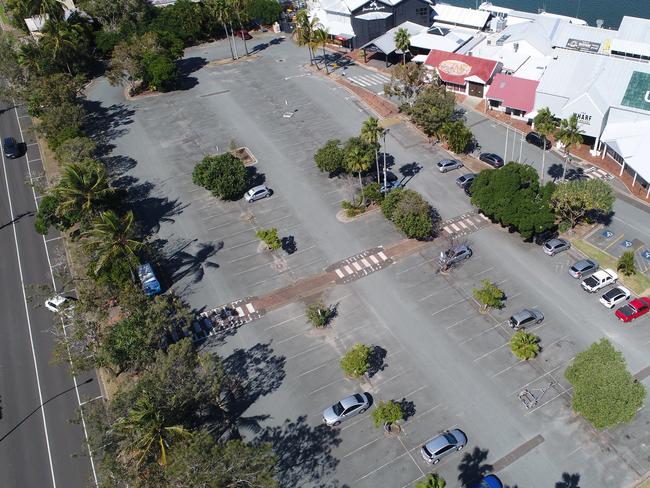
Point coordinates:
[[422, 12]]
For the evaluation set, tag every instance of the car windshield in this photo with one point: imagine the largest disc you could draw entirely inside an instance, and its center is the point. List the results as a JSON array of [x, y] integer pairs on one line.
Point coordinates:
[[338, 408], [450, 438], [612, 294], [627, 310], [358, 398], [426, 451]]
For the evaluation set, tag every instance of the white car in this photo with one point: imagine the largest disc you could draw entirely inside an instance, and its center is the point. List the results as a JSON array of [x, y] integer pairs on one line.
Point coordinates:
[[59, 304], [600, 279], [615, 296], [257, 193]]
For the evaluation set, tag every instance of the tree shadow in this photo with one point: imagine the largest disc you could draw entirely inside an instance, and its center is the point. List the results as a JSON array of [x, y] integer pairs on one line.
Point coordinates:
[[569, 481], [256, 372], [289, 245], [304, 452], [254, 178], [277, 40], [376, 360], [187, 66], [17, 218], [555, 171], [105, 124], [187, 258], [436, 220], [410, 170], [575, 174], [118, 165], [408, 408], [472, 467]]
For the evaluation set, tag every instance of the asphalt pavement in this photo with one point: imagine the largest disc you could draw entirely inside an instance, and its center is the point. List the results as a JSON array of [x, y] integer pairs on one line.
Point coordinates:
[[39, 446]]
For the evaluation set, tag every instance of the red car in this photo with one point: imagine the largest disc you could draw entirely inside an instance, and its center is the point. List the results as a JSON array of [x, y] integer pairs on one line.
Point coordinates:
[[243, 34], [633, 310]]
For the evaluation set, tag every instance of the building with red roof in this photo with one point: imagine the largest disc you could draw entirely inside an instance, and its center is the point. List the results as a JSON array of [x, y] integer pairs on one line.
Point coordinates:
[[461, 73], [512, 95]]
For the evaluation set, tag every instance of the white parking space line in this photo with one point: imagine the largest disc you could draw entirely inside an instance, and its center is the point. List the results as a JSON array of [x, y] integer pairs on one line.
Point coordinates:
[[459, 322], [492, 351], [339, 273], [549, 372], [357, 266], [374, 259], [285, 322], [379, 468], [392, 378], [417, 415], [410, 268], [382, 256], [53, 239], [448, 307], [306, 351], [508, 368], [432, 294], [410, 455], [362, 447], [551, 399], [326, 386], [348, 270], [365, 262], [314, 369], [290, 338], [352, 424], [415, 391], [484, 271]]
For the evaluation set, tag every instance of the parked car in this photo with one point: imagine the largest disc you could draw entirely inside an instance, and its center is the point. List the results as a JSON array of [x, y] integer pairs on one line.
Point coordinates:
[[10, 147], [555, 246], [454, 255], [150, 284], [633, 310], [346, 408], [615, 296], [537, 140], [583, 268], [468, 188], [257, 193], [243, 34], [60, 304], [448, 164], [489, 481], [492, 159], [600, 279], [447, 442], [465, 179], [524, 318], [392, 185]]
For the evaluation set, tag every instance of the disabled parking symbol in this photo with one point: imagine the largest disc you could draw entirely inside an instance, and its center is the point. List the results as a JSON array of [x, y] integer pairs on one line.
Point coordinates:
[[626, 243], [607, 234], [646, 254]]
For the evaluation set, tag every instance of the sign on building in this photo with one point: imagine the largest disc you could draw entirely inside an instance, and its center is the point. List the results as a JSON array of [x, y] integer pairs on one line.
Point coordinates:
[[584, 46], [637, 94]]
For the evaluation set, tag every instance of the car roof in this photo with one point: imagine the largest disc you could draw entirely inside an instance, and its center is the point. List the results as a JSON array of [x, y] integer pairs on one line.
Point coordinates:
[[349, 401], [584, 263], [57, 300], [555, 242], [640, 302], [615, 291], [437, 443], [490, 481], [447, 161], [523, 314], [461, 247], [256, 188]]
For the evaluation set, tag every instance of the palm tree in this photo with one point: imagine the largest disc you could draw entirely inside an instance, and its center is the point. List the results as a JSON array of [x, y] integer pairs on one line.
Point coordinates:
[[544, 124], [357, 160], [431, 481], [111, 237], [304, 33], [52, 8], [219, 10], [321, 37], [82, 188], [524, 345], [570, 135], [240, 11], [64, 40], [403, 42], [148, 431], [371, 131]]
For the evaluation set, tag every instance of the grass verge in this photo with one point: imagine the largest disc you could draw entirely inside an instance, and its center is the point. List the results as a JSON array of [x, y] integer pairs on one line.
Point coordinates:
[[638, 283]]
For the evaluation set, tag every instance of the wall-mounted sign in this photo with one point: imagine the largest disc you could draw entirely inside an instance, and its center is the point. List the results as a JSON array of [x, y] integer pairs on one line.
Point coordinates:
[[580, 45], [637, 94], [584, 118], [373, 7]]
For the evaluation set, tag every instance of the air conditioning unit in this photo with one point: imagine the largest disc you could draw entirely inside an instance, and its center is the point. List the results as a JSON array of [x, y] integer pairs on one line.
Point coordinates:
[[489, 42], [515, 46]]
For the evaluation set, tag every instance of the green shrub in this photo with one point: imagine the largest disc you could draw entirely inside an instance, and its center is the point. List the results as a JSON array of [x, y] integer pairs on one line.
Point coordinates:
[[489, 295], [626, 264], [458, 136], [224, 175], [604, 392], [387, 413], [270, 238], [356, 362], [524, 345], [372, 193], [431, 481], [331, 157], [409, 212], [352, 209], [320, 315]]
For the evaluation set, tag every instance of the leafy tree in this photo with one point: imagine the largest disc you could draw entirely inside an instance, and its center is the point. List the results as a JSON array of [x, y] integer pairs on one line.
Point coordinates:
[[331, 157], [403, 42], [605, 393], [128, 61], [160, 72], [626, 264], [224, 175], [407, 81], [569, 134], [44, 93], [120, 15], [524, 345], [61, 122], [111, 238], [513, 197], [372, 193], [545, 125], [13, 73], [371, 132], [409, 212], [67, 44], [356, 361], [200, 461], [48, 215], [320, 315], [387, 413], [433, 107], [489, 295], [270, 238], [183, 19], [82, 191], [432, 480], [457, 134], [75, 150], [573, 200], [357, 160], [264, 11]]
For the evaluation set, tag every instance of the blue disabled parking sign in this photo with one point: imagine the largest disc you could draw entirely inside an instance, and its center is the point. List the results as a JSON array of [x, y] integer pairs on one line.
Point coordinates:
[[646, 254], [626, 243], [607, 234]]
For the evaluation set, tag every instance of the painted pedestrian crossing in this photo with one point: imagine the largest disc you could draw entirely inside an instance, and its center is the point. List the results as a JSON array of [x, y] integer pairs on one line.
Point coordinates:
[[464, 224], [593, 172], [369, 80], [360, 265]]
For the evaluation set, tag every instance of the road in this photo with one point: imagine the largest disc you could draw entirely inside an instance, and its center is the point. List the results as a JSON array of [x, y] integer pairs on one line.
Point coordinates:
[[39, 446]]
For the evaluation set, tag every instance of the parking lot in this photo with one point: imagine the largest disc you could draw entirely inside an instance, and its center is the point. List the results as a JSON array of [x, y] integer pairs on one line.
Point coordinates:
[[449, 363]]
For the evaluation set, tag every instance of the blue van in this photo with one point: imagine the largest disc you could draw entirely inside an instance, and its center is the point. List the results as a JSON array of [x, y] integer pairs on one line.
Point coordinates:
[[150, 283]]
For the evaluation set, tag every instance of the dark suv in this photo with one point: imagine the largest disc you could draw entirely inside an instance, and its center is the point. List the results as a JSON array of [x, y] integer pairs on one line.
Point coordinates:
[[492, 159], [537, 140], [10, 147]]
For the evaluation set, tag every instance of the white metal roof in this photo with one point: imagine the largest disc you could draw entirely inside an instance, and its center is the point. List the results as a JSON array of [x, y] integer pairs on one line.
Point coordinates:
[[460, 16], [374, 15], [386, 42], [442, 39], [337, 6], [627, 133], [335, 24], [632, 47], [634, 29]]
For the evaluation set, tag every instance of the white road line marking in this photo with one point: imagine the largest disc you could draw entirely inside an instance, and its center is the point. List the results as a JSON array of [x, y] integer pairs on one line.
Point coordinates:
[[492, 351], [374, 259], [53, 239], [382, 256], [359, 448], [460, 222], [365, 262], [483, 217], [410, 455], [484, 271], [240, 312], [250, 308], [414, 391], [447, 229], [448, 307], [348, 270], [313, 369], [460, 322], [455, 227], [91, 400], [339, 273], [326, 386], [357, 266], [285, 321]]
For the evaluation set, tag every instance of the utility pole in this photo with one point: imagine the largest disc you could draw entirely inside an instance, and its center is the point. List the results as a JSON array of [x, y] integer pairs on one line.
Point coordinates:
[[505, 152], [385, 133]]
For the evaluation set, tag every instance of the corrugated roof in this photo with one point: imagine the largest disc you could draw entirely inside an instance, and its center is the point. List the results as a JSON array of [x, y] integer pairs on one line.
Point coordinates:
[[335, 24], [460, 16], [450, 42], [386, 42], [634, 29], [627, 133], [513, 92], [456, 68]]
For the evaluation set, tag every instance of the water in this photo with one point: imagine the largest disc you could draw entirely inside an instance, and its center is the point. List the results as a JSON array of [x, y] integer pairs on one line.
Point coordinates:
[[611, 11]]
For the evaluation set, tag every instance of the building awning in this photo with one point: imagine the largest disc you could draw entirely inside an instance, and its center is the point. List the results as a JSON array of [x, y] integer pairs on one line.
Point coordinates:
[[456, 68], [386, 42], [420, 58], [513, 92], [630, 141], [336, 25], [374, 15]]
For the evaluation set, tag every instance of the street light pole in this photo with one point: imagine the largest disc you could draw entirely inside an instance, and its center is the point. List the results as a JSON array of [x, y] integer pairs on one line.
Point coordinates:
[[385, 133], [505, 152]]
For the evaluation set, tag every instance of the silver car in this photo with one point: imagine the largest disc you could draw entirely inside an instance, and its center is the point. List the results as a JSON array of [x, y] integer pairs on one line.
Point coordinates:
[[448, 164], [465, 179], [346, 408], [447, 442], [256, 193], [555, 246], [583, 268], [454, 255], [526, 317]]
